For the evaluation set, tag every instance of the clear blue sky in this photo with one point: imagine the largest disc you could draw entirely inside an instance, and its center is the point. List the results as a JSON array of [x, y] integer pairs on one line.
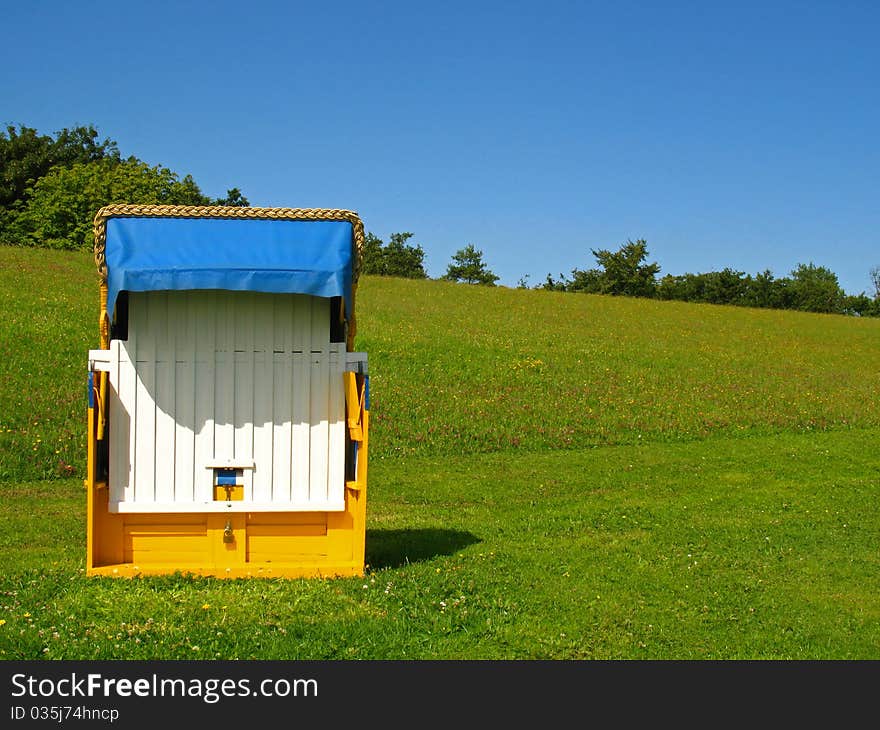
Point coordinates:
[[739, 134]]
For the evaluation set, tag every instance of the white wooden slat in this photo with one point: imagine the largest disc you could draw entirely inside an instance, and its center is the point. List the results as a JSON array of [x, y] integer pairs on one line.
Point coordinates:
[[282, 323], [231, 375], [184, 400], [162, 324], [119, 423], [301, 430], [318, 427], [131, 377], [283, 378], [145, 442], [224, 395], [319, 411], [205, 306], [302, 314], [319, 327], [116, 424], [243, 380], [264, 344], [129, 380]]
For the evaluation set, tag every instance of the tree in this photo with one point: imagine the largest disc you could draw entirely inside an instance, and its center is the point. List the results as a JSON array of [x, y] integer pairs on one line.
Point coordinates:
[[625, 272], [61, 205], [397, 258], [25, 156], [874, 273], [50, 188], [468, 267], [233, 199], [764, 290], [551, 284], [727, 286], [372, 261], [815, 289], [588, 281], [683, 287], [860, 305], [402, 259]]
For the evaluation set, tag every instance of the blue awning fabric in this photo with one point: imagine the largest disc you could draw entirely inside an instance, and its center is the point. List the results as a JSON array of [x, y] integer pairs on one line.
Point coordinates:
[[155, 253]]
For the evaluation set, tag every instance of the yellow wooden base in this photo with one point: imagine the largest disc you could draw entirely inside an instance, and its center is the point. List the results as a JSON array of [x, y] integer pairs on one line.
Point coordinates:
[[247, 544], [234, 545]]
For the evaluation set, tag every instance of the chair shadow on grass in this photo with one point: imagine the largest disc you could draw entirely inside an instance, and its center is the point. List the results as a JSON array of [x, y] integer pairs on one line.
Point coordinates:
[[395, 548]]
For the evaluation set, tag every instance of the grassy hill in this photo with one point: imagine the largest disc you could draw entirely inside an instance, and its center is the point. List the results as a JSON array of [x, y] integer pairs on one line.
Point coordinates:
[[458, 369], [475, 369], [552, 476]]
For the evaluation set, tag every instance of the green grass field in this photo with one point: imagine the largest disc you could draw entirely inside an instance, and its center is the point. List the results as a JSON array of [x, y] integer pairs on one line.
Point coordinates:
[[552, 476]]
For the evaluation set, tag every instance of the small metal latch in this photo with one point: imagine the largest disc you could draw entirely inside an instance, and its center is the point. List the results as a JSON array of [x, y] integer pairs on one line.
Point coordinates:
[[228, 483], [228, 536]]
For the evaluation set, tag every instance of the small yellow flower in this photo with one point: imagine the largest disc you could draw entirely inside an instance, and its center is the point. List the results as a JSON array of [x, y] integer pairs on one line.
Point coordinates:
[[206, 606], [27, 615], [2, 621]]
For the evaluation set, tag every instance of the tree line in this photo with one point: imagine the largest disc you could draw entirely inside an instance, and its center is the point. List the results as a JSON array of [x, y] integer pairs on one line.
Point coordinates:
[[399, 258], [628, 272], [52, 186]]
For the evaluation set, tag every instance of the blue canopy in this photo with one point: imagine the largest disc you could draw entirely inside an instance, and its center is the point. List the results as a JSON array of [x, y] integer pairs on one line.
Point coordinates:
[[265, 255]]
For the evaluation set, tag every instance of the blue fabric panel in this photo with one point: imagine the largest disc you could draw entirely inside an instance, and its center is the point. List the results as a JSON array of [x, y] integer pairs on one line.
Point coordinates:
[[263, 255]]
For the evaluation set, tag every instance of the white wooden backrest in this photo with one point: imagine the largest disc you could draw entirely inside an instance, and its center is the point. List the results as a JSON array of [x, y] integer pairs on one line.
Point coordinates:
[[245, 380]]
